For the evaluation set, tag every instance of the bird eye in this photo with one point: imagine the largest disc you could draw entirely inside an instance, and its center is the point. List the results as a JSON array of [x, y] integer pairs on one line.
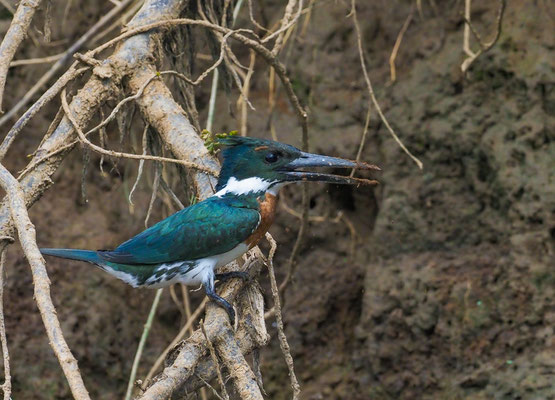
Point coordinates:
[[272, 157]]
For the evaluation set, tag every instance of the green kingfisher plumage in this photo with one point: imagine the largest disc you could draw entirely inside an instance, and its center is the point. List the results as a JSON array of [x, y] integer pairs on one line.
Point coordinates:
[[190, 245]]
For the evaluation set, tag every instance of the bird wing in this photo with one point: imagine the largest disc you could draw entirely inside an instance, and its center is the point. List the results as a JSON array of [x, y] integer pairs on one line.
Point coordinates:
[[211, 227]]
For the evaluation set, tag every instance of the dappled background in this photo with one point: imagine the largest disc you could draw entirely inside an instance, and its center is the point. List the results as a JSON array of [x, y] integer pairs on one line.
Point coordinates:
[[437, 284]]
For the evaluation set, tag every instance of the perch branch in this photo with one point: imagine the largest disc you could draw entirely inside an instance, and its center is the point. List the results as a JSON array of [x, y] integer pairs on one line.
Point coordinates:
[[192, 352], [27, 239], [250, 334], [232, 356]]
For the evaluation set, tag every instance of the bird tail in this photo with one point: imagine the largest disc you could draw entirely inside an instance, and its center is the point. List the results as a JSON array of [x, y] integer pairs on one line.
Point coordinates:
[[73, 254]]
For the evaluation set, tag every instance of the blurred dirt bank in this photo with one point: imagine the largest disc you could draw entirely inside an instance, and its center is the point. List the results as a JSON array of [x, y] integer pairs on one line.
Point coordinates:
[[449, 293]]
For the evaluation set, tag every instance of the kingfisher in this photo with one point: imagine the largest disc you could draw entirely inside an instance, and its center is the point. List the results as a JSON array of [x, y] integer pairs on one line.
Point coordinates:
[[189, 246]]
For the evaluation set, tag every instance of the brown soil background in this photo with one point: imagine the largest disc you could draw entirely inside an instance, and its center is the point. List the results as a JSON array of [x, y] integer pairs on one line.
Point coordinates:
[[447, 289]]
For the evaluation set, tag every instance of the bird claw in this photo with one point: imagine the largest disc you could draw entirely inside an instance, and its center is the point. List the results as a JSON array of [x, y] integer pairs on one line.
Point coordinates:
[[231, 275]]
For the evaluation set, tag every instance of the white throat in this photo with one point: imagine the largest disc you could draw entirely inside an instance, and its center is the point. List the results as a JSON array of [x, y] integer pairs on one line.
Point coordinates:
[[249, 185]]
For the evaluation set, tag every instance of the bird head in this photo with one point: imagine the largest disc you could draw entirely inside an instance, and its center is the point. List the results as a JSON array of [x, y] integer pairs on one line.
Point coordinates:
[[255, 165]]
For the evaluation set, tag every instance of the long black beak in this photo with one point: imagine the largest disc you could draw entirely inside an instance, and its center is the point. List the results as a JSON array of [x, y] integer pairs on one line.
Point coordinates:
[[308, 160]]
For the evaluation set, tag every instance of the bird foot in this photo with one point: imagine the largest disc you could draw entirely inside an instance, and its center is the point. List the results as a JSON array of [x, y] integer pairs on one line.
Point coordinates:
[[222, 303], [231, 275]]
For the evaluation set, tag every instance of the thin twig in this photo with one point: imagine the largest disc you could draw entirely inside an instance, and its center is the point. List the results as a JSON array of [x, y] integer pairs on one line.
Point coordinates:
[[172, 195], [371, 90], [48, 22], [52, 92], [256, 369], [214, 391], [285, 20], [119, 22], [142, 342], [253, 20], [215, 78], [155, 186], [236, 34], [176, 301], [292, 262], [466, 31], [398, 44], [27, 239], [212, 101], [419, 7], [141, 165], [8, 6], [40, 60], [113, 153], [103, 139], [176, 340], [484, 47], [279, 321], [66, 13], [186, 303], [362, 139], [288, 22], [7, 385], [246, 89]]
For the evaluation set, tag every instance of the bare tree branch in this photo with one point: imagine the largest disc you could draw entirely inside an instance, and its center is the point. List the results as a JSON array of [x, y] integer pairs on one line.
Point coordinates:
[[15, 35], [27, 239], [52, 91]]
